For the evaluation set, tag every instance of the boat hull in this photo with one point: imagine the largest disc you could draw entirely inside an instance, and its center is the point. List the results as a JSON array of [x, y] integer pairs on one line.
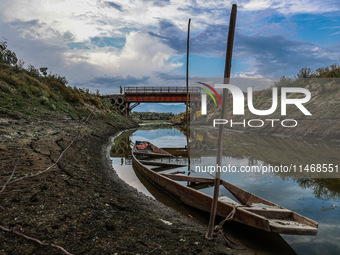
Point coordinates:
[[275, 219]]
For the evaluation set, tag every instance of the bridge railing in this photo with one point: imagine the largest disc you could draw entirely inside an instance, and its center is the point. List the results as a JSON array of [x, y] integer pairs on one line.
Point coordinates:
[[147, 90]]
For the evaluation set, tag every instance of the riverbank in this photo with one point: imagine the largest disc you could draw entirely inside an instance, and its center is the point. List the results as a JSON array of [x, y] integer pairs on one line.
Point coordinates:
[[81, 204]]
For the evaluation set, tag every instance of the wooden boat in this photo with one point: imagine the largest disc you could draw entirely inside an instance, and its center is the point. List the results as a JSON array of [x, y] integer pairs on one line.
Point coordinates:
[[250, 209], [148, 149], [163, 164]]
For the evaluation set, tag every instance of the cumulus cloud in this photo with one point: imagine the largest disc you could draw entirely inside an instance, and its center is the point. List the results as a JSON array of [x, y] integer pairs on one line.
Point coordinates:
[[272, 55], [289, 7], [104, 83], [141, 55], [104, 43], [114, 5], [34, 29], [210, 41]]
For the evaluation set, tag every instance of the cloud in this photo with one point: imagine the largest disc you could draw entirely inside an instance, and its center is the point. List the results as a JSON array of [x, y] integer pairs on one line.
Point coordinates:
[[159, 2], [119, 81], [34, 29], [114, 5], [273, 55], [171, 35], [108, 41], [257, 5], [335, 33], [171, 76], [35, 52], [86, 40], [289, 7], [276, 55], [141, 55], [210, 41]]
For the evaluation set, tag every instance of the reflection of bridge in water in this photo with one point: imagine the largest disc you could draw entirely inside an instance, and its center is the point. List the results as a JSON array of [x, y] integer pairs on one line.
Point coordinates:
[[180, 153], [122, 152], [133, 96], [123, 146]]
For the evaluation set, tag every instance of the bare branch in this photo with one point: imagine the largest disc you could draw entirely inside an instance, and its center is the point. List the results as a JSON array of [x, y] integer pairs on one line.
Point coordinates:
[[34, 239], [14, 169], [10, 181]]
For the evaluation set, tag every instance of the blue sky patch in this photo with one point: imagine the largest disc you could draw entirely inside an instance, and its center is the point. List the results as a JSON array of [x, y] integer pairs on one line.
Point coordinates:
[[108, 41], [78, 46]]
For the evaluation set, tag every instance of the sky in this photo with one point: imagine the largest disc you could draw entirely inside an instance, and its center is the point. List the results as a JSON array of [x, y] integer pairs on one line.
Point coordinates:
[[102, 45]]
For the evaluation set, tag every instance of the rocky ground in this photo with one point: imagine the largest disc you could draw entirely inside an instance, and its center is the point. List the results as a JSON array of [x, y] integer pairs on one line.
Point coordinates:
[[80, 204]]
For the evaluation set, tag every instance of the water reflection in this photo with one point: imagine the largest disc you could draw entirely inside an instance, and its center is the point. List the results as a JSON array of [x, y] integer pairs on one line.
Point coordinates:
[[269, 150], [317, 199], [322, 188], [122, 144], [262, 242]]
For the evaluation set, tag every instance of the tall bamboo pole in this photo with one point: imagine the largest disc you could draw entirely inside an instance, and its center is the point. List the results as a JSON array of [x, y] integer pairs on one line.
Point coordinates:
[[227, 69], [187, 103]]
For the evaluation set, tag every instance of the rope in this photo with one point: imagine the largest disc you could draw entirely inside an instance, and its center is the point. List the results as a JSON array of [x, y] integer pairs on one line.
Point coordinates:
[[228, 218], [219, 228]]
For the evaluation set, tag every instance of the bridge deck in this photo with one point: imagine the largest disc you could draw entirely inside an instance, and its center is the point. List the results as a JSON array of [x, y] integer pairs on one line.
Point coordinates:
[[160, 94]]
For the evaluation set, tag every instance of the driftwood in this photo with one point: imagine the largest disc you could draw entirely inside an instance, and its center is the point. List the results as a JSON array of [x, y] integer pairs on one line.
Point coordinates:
[[34, 239]]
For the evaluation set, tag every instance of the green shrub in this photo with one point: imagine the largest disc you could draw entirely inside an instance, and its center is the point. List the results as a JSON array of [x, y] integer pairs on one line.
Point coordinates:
[[4, 88], [95, 101], [67, 92], [44, 100], [52, 95], [53, 107], [58, 78], [86, 99], [35, 90], [32, 71]]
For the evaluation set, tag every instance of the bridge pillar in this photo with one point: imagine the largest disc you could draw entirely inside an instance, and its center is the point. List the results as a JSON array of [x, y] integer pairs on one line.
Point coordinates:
[[127, 108]]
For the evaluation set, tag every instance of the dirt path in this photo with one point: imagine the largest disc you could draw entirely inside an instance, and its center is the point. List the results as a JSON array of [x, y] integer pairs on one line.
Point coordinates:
[[81, 204]]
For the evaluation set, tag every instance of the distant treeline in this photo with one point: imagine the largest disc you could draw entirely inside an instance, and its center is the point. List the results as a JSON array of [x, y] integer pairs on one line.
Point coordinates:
[[332, 71], [153, 115]]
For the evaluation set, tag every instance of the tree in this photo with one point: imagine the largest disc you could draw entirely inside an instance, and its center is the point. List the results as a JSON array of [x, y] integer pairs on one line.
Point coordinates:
[[43, 70], [305, 72], [7, 56], [33, 71], [322, 70]]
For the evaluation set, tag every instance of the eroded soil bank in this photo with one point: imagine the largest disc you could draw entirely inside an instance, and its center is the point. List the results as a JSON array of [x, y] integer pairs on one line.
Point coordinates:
[[81, 204]]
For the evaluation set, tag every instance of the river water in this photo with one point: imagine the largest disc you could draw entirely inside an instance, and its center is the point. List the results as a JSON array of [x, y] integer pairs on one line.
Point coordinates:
[[318, 199]]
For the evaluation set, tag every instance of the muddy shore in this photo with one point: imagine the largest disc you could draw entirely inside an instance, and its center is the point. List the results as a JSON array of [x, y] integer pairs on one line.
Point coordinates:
[[81, 204]]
